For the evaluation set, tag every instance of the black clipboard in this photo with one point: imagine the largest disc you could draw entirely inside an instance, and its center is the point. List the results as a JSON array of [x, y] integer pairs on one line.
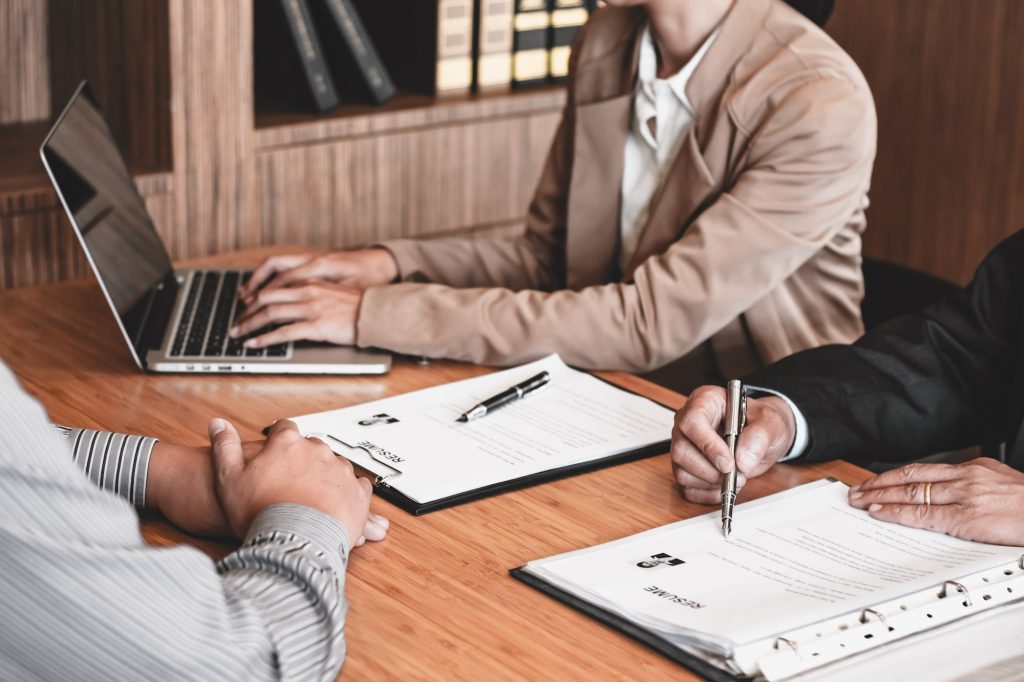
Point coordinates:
[[402, 501], [625, 627]]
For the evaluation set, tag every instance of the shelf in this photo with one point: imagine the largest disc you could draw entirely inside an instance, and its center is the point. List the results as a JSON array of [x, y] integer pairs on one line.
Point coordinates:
[[21, 170], [278, 127], [24, 185]]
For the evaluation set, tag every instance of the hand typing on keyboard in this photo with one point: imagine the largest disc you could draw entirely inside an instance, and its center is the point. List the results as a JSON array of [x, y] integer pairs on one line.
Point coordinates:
[[211, 305], [313, 311]]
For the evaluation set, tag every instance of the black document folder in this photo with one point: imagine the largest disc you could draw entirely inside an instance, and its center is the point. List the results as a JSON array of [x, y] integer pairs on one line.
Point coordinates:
[[631, 630], [417, 508]]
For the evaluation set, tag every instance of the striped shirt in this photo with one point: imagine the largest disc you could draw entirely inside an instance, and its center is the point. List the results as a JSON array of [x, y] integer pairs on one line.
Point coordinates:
[[83, 597]]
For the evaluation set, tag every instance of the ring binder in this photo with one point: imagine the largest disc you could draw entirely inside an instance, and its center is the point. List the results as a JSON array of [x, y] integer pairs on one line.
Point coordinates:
[[959, 588], [877, 614], [786, 640], [1020, 562]]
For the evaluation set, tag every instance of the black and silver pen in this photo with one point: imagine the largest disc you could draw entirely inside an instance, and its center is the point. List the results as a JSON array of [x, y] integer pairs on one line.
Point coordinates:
[[513, 394], [735, 420]]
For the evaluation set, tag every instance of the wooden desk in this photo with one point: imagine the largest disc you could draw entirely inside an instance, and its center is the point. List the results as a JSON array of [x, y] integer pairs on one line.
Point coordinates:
[[434, 600]]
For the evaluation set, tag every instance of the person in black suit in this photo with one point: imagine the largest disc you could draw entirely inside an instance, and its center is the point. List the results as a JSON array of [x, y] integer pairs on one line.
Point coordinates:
[[949, 377]]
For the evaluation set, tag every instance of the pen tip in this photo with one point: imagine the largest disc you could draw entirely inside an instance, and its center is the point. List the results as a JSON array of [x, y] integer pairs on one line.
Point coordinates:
[[462, 419], [726, 528]]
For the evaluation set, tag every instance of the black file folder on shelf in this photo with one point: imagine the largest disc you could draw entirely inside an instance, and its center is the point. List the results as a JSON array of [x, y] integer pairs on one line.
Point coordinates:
[[423, 460], [820, 585]]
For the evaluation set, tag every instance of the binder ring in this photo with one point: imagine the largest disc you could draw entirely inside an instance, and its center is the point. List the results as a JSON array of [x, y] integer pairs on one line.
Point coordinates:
[[877, 614], [1020, 562], [790, 643], [959, 588]]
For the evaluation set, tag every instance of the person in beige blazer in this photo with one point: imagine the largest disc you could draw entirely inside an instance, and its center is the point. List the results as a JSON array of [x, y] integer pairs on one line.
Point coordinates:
[[735, 244]]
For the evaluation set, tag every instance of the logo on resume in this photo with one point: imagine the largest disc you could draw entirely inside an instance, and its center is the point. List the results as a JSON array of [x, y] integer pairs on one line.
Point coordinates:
[[658, 560], [378, 419]]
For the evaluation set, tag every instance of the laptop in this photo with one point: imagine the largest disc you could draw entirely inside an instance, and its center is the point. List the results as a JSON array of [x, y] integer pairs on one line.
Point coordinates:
[[173, 321]]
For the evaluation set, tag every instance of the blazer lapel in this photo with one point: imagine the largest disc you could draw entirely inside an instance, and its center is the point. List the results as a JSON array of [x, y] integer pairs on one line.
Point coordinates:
[[592, 228], [688, 188]]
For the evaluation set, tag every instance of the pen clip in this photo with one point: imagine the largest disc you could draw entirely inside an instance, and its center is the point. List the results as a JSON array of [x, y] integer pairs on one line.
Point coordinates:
[[743, 408]]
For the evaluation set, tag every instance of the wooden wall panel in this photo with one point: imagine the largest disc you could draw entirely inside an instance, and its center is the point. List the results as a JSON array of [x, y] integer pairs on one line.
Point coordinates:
[[402, 184], [37, 244], [948, 81], [212, 107], [121, 48], [24, 62]]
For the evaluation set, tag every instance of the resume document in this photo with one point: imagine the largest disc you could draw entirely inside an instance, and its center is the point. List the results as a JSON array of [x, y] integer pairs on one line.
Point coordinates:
[[413, 442]]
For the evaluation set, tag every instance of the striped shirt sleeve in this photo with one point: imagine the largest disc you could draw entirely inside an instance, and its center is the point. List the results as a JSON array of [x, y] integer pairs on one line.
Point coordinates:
[[115, 462], [82, 596]]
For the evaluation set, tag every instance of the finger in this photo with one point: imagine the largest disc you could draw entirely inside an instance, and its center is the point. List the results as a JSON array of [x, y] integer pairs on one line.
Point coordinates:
[[300, 331], [289, 278], [269, 296], [752, 450], [228, 456], [938, 518], [272, 314], [912, 493], [703, 495], [281, 426], [687, 457], [911, 473], [269, 268], [687, 480], [376, 528]]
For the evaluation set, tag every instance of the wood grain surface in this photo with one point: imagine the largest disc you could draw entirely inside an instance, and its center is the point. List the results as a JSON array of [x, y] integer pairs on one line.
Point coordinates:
[[948, 81], [434, 601], [24, 62]]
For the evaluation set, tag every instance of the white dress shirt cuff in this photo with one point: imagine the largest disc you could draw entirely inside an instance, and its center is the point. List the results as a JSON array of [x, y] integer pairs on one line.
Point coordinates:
[[802, 436]]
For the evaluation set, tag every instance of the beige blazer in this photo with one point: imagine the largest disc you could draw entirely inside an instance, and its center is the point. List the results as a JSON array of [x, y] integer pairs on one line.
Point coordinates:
[[752, 247]]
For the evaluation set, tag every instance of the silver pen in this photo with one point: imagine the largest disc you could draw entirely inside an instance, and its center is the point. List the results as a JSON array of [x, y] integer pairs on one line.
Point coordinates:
[[735, 420]]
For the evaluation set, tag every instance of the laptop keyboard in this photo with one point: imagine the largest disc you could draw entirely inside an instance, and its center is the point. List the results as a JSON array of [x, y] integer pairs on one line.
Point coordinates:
[[211, 306]]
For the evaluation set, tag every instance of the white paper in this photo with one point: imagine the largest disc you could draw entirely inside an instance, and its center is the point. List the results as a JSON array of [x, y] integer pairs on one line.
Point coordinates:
[[794, 559], [576, 418]]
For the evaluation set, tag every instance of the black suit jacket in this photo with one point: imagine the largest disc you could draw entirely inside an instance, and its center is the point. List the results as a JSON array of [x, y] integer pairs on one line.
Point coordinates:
[[947, 378]]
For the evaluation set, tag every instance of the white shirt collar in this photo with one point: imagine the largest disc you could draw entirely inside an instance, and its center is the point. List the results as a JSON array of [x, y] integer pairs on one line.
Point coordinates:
[[647, 78]]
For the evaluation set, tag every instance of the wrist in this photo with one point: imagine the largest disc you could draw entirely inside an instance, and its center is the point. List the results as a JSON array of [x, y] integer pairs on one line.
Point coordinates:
[[169, 467], [383, 265]]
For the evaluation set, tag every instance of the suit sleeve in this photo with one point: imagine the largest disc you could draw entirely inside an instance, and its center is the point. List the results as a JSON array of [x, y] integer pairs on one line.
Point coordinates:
[[533, 260], [785, 206], [921, 383]]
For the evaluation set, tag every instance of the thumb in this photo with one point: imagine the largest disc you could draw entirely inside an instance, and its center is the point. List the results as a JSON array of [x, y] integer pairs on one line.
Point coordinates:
[[227, 448]]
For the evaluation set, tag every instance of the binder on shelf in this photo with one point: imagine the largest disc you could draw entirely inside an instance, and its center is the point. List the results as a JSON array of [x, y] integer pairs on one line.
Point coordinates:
[[814, 581], [531, 54], [288, 60], [426, 45], [567, 17], [492, 45], [351, 57]]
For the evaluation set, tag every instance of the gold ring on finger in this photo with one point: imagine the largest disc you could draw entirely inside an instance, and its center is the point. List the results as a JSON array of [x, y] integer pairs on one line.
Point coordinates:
[[927, 494]]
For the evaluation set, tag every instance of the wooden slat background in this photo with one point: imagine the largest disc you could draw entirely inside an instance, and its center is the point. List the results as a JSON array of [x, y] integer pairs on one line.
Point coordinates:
[[947, 77], [24, 62], [948, 80]]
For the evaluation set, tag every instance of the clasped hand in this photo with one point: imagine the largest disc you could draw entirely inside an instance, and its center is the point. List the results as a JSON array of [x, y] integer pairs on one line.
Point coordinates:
[[981, 500], [218, 491], [311, 296]]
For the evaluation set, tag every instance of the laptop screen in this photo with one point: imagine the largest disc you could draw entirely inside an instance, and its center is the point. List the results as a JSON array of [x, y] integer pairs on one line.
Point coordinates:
[[110, 215]]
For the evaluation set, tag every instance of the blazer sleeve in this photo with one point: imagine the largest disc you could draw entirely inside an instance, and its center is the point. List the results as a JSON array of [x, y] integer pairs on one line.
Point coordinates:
[[921, 383], [534, 259], [807, 173]]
